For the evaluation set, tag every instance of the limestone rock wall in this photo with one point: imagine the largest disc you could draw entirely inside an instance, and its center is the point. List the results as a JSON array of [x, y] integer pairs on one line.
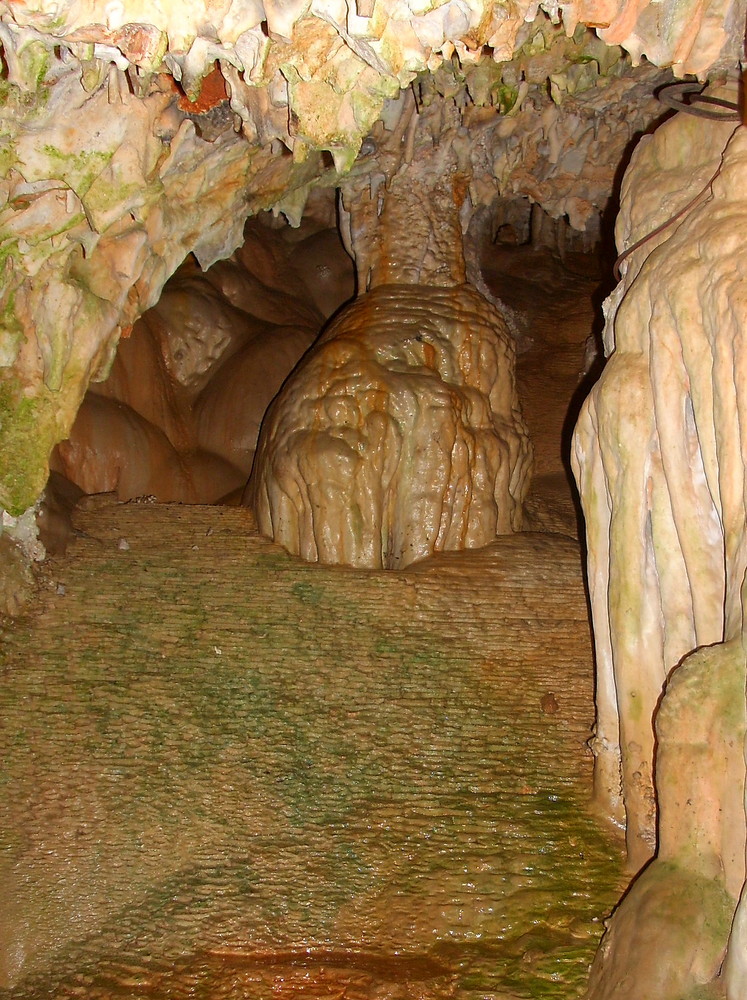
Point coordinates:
[[399, 436], [135, 133], [660, 457], [669, 935], [89, 237], [657, 449], [128, 143]]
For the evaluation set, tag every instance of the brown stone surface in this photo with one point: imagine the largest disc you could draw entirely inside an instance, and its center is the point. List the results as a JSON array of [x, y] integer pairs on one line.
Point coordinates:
[[178, 416], [398, 436], [401, 433], [230, 773], [553, 308]]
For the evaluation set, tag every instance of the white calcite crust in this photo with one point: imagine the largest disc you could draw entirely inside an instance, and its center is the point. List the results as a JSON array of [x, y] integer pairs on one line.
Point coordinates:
[[125, 147], [396, 37]]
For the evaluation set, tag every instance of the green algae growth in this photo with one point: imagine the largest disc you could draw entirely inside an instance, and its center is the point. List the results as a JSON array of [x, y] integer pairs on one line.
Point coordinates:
[[228, 751]]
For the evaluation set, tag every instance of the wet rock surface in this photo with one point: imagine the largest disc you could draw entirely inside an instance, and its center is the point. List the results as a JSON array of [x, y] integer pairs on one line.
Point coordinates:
[[229, 773], [399, 436]]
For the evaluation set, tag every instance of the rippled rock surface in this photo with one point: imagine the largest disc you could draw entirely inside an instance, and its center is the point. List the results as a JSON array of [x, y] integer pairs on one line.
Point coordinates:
[[232, 774]]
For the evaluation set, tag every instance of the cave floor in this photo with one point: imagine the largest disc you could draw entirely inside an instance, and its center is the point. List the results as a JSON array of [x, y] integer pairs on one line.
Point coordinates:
[[228, 773]]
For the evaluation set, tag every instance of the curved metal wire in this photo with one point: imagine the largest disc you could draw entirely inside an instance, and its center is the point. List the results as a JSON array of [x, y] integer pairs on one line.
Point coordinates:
[[684, 96]]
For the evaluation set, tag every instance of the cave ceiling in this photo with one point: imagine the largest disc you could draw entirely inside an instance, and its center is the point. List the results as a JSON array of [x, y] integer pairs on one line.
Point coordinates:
[[132, 134]]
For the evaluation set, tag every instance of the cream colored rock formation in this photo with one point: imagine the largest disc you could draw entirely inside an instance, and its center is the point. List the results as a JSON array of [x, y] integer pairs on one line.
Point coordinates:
[[657, 447], [116, 165], [117, 162], [669, 935], [399, 436], [401, 433], [659, 453]]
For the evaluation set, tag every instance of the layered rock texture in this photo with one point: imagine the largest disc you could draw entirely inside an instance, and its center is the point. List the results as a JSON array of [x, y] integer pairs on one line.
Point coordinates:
[[258, 778], [134, 136], [660, 457], [401, 434]]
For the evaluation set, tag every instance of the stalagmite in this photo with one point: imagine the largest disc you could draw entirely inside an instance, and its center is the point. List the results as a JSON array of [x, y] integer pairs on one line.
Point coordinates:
[[133, 134], [128, 145], [400, 435]]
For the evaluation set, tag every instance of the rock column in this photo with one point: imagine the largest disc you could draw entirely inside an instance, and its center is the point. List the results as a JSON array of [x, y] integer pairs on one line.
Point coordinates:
[[660, 454], [400, 434]]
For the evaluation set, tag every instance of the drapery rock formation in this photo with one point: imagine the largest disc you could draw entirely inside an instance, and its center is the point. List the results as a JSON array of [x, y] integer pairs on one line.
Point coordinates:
[[118, 160], [659, 454], [424, 172], [657, 447], [401, 434], [118, 164]]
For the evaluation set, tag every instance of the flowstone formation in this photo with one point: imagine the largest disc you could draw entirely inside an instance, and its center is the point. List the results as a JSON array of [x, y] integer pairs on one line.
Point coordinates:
[[400, 435], [132, 134], [659, 455], [258, 778], [431, 169]]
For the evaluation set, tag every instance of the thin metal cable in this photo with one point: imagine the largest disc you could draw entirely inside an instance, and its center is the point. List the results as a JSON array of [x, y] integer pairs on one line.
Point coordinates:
[[672, 97]]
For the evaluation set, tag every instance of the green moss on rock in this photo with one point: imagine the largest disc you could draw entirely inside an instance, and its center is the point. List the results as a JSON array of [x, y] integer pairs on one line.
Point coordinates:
[[667, 938], [79, 170], [29, 429], [34, 62], [11, 332]]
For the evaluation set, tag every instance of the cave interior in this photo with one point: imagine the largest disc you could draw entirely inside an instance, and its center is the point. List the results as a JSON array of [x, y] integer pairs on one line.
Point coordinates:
[[373, 473]]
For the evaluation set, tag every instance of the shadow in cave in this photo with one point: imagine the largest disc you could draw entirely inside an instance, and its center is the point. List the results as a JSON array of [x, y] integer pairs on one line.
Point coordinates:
[[552, 280], [605, 256], [177, 418]]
